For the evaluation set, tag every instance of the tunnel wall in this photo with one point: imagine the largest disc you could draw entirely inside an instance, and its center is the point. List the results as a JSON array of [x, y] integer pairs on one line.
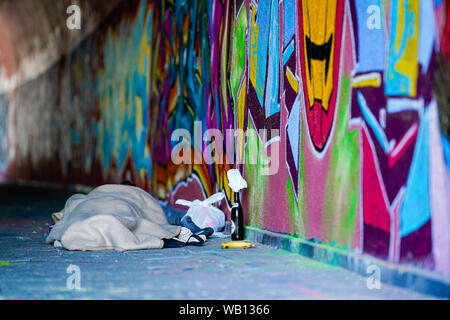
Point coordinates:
[[341, 141]]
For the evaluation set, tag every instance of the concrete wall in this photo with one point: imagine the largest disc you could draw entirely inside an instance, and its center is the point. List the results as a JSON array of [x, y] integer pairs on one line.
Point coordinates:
[[353, 146]]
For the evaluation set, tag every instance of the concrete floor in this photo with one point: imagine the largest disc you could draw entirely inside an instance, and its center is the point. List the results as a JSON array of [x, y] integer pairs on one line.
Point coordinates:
[[31, 269]]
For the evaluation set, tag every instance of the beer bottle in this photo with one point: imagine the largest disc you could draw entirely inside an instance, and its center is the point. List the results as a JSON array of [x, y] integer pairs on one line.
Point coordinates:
[[237, 219]]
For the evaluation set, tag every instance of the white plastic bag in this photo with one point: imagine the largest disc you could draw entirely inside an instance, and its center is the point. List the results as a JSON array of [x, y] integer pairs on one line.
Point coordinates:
[[203, 214]]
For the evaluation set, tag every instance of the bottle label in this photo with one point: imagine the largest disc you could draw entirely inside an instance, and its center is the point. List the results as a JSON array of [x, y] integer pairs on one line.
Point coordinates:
[[233, 227], [235, 205]]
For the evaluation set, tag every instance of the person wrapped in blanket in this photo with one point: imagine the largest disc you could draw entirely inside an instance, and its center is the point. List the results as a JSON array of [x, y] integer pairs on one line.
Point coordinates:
[[120, 217]]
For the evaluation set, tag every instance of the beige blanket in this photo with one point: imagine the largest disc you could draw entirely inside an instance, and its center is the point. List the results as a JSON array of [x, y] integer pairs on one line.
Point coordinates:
[[119, 217]]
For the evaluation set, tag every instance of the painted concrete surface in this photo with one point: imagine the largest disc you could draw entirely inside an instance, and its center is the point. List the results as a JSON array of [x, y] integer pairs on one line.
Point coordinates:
[[31, 269]]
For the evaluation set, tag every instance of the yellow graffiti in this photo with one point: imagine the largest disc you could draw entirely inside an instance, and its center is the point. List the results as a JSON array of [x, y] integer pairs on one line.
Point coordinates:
[[407, 64], [369, 80], [292, 80], [319, 20], [253, 51], [241, 116]]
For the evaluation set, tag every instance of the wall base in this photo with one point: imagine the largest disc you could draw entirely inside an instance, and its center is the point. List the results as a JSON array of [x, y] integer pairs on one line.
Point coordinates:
[[403, 276]]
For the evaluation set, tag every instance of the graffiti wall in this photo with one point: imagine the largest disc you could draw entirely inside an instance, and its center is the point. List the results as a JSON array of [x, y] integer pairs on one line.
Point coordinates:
[[3, 135], [327, 107]]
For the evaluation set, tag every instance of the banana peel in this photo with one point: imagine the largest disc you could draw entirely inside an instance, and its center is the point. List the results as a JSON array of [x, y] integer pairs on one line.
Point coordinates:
[[237, 245]]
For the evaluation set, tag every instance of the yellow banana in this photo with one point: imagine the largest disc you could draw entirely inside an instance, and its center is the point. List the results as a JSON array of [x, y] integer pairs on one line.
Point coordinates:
[[237, 245]]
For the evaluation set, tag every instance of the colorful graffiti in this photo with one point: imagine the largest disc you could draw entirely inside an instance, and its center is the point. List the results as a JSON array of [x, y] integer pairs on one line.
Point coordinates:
[[196, 40], [320, 36], [4, 154], [344, 90], [391, 101]]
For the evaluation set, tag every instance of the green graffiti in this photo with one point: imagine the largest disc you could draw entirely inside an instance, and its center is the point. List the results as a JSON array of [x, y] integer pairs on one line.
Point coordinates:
[[238, 63], [343, 176], [297, 206], [255, 160]]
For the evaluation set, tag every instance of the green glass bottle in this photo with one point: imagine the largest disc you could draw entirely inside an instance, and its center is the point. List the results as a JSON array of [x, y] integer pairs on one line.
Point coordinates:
[[237, 219]]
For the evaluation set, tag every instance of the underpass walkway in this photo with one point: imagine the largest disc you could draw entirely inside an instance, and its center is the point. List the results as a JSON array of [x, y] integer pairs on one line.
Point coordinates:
[[32, 269]]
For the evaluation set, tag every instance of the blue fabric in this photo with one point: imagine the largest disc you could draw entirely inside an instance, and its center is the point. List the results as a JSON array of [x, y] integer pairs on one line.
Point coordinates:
[[172, 243], [179, 218], [187, 222]]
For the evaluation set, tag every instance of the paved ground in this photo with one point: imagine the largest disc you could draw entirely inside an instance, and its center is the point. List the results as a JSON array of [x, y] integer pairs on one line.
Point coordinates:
[[31, 269]]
